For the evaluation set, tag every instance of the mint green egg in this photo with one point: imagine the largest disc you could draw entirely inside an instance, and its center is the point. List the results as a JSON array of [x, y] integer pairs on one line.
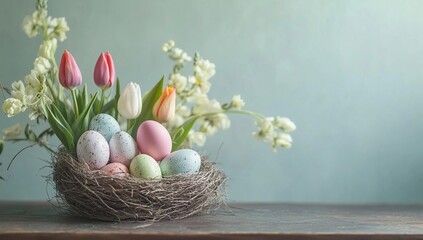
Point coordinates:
[[181, 161], [145, 167]]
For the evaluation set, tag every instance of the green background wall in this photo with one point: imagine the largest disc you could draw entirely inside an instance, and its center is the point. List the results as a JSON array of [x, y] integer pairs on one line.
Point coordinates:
[[349, 73]]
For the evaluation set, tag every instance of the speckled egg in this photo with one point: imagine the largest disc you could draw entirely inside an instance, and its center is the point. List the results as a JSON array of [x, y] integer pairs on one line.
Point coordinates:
[[153, 139], [146, 167], [116, 169], [104, 124], [122, 148], [181, 161], [93, 148]]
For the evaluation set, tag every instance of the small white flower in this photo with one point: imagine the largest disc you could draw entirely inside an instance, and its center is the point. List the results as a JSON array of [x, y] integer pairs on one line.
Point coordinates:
[[266, 129], [12, 131], [179, 55], [18, 91], [183, 110], [40, 16], [285, 124], [58, 27], [220, 121], [191, 80], [203, 85], [237, 102], [178, 81], [176, 121], [197, 138], [201, 100], [176, 54], [12, 106], [207, 128], [282, 140], [204, 70], [61, 29], [36, 94], [30, 26], [181, 113], [34, 85], [34, 113], [42, 65], [167, 46], [48, 48], [204, 105], [185, 58]]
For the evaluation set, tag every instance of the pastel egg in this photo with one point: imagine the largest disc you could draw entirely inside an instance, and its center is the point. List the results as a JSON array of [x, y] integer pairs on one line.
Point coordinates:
[[146, 167], [181, 161], [104, 124], [153, 139], [116, 169], [122, 148], [93, 149]]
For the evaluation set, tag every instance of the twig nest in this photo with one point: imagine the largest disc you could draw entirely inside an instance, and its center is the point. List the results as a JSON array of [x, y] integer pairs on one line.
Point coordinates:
[[98, 195]]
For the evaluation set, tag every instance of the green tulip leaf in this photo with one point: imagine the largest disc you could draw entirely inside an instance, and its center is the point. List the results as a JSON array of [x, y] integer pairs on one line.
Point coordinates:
[[117, 96], [60, 116], [64, 135], [148, 101], [1, 146], [80, 125], [84, 96], [181, 133]]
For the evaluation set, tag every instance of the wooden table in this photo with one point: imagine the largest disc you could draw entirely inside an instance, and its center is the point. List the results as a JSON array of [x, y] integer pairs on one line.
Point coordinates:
[[29, 220]]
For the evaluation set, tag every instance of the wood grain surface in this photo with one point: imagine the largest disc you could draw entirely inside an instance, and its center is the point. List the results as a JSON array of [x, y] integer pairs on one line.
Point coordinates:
[[36, 220]]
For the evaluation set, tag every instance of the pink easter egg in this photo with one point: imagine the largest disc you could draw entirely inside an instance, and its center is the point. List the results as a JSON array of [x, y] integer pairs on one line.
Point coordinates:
[[153, 139], [116, 169]]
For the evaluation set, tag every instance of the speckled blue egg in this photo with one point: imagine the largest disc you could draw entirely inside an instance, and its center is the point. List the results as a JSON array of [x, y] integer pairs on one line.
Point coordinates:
[[93, 149], [105, 124], [180, 161]]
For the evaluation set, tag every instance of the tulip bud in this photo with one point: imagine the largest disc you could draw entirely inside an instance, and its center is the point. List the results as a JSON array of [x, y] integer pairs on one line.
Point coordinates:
[[130, 102], [164, 108], [104, 71], [69, 73]]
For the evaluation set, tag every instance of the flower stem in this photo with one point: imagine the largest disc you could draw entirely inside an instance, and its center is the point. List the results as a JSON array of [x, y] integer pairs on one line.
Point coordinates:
[[129, 125], [75, 102], [103, 96], [43, 144], [249, 113]]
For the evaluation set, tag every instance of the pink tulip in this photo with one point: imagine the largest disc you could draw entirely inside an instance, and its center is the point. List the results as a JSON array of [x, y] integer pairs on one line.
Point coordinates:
[[69, 73], [104, 71], [164, 108]]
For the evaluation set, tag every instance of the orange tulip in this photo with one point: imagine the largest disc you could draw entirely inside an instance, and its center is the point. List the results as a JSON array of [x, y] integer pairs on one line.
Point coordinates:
[[164, 108]]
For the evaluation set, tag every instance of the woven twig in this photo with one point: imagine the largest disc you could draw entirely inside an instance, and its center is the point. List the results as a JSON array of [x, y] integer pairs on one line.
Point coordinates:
[[97, 195]]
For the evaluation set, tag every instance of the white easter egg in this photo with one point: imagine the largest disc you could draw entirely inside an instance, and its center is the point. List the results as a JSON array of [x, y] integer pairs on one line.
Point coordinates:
[[122, 148], [93, 149]]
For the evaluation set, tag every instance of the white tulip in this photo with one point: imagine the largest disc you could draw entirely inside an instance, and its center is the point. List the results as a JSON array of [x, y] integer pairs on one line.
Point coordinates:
[[130, 102]]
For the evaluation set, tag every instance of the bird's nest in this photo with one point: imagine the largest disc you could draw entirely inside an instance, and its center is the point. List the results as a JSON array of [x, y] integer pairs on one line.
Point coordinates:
[[97, 195]]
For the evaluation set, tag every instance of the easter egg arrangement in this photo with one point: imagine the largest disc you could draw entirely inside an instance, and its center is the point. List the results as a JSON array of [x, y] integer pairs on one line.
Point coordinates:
[[105, 147], [124, 155]]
